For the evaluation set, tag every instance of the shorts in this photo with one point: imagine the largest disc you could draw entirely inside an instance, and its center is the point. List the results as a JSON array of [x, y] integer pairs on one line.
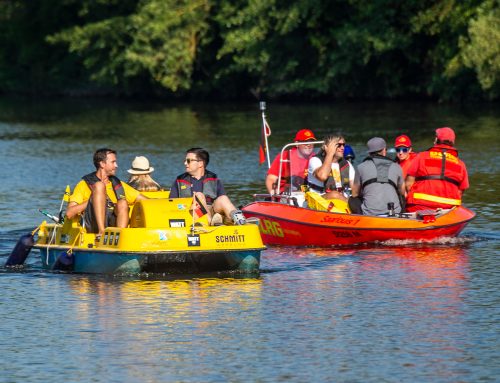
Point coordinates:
[[89, 221]]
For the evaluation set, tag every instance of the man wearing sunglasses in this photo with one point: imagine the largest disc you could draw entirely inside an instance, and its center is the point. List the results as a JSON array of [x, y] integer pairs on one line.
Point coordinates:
[[207, 188], [404, 153], [329, 172]]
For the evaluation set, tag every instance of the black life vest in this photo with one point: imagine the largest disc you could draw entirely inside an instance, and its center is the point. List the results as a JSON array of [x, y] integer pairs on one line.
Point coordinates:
[[330, 183], [184, 186], [92, 178]]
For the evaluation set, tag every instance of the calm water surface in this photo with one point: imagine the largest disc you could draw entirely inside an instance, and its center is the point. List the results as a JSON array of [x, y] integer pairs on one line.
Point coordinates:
[[396, 312]]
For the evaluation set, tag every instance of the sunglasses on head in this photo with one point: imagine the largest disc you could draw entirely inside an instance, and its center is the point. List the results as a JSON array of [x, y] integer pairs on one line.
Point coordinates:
[[401, 150], [189, 160]]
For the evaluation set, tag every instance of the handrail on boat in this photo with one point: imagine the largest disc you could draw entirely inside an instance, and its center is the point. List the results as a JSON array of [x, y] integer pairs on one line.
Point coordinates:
[[276, 198], [282, 161]]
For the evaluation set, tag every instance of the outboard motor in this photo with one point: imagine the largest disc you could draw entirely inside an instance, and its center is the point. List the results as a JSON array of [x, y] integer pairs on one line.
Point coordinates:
[[64, 262], [21, 250]]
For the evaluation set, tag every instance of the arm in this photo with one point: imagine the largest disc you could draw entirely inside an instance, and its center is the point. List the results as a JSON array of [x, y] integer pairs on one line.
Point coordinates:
[[356, 186], [325, 169], [271, 180], [75, 209], [410, 180], [355, 190]]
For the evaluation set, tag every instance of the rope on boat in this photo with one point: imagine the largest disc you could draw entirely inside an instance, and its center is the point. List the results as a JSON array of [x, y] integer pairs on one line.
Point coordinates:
[[70, 250]]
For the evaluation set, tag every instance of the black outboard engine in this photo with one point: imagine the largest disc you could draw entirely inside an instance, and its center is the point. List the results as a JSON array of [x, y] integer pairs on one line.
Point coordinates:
[[64, 262]]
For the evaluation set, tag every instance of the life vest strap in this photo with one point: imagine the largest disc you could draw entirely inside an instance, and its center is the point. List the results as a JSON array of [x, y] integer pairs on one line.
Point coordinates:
[[438, 177]]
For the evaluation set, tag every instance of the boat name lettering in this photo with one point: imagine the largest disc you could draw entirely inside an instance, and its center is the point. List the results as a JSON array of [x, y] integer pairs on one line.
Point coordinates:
[[271, 228], [229, 238], [346, 234], [340, 220]]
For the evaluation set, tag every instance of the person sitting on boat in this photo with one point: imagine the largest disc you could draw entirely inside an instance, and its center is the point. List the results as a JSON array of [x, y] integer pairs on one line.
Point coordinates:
[[293, 165], [207, 188], [404, 153], [379, 185], [329, 173], [101, 196], [140, 175], [437, 178], [349, 153]]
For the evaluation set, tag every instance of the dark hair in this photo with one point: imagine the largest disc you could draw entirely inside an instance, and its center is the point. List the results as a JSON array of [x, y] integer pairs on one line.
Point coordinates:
[[101, 155], [201, 154], [444, 142]]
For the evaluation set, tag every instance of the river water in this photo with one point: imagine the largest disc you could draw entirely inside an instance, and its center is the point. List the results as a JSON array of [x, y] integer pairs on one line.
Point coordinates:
[[394, 312]]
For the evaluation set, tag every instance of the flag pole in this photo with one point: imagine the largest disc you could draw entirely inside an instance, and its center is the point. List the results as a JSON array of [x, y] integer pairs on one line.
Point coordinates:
[[265, 128]]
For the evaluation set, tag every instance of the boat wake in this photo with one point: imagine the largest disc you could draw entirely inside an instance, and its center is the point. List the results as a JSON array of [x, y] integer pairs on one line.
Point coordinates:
[[436, 241]]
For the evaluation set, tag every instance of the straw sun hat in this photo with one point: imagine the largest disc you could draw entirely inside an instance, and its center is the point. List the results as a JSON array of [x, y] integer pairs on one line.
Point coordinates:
[[140, 165]]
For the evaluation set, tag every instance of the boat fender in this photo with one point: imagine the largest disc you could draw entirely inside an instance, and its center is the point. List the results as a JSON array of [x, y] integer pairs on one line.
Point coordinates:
[[64, 261], [21, 250]]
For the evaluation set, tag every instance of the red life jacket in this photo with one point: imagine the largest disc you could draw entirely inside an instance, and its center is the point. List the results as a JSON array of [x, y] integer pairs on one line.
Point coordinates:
[[438, 178]]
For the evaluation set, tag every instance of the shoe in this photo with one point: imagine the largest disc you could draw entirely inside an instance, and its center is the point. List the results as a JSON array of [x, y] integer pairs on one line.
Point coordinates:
[[216, 220], [238, 217]]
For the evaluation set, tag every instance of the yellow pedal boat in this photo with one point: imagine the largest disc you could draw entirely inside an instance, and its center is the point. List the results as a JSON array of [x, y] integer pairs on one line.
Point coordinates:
[[162, 237]]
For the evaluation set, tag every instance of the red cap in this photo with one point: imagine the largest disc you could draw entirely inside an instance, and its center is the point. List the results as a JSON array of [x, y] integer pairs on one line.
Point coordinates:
[[445, 134], [304, 135], [403, 140]]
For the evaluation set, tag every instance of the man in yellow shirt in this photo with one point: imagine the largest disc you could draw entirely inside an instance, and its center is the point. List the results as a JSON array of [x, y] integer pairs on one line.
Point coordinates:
[[101, 196]]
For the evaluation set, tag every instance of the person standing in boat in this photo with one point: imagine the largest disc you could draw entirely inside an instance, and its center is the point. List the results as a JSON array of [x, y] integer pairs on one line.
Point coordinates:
[[101, 196], [293, 165], [329, 173], [140, 175], [207, 188], [379, 184], [437, 178], [404, 153]]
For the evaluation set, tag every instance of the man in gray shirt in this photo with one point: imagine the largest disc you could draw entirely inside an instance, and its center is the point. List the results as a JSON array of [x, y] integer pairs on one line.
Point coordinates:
[[378, 181]]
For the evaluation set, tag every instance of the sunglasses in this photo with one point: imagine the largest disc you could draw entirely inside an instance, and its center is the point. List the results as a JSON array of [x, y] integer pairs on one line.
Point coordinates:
[[401, 150], [189, 160], [340, 144]]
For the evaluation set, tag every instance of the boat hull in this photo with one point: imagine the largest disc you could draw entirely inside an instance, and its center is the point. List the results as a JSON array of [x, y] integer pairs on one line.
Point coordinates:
[[283, 224], [102, 262]]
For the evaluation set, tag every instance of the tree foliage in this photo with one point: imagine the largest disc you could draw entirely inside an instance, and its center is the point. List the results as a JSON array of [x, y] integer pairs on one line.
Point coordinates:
[[445, 49]]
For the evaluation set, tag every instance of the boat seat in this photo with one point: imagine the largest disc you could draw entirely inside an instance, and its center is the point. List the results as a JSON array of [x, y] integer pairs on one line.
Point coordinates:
[[316, 202], [162, 213]]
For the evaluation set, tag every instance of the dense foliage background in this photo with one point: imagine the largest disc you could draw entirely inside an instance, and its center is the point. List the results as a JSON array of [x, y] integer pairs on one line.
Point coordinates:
[[302, 49]]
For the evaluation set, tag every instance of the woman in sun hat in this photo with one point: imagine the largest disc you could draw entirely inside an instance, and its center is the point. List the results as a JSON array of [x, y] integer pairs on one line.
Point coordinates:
[[140, 178]]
